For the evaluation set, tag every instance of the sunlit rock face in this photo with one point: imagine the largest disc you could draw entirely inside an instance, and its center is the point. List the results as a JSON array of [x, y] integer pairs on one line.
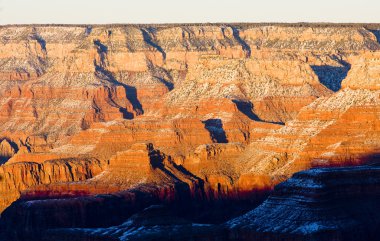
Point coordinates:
[[213, 112], [319, 204]]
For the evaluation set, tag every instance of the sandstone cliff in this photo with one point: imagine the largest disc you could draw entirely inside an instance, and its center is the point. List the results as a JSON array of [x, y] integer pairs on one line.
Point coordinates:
[[225, 111]]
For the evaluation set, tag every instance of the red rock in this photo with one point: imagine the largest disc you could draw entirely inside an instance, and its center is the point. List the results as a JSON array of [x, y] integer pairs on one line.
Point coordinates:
[[228, 110]]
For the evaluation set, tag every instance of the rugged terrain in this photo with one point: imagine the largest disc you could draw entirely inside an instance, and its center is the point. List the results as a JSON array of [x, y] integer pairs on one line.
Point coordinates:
[[318, 204], [99, 119]]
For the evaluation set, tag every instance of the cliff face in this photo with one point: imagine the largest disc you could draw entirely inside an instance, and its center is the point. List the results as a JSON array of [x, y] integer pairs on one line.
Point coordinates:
[[337, 130], [223, 111], [319, 204], [20, 176]]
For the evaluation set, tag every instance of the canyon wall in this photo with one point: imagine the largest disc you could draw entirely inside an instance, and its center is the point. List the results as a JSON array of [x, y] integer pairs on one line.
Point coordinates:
[[222, 111], [318, 204]]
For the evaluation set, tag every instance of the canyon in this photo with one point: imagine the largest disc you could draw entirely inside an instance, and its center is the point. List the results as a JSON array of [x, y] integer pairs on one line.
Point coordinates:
[[105, 128]]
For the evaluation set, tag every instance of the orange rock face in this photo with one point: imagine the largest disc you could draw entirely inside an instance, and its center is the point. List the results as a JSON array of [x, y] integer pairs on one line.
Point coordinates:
[[227, 110], [6, 150], [20, 176]]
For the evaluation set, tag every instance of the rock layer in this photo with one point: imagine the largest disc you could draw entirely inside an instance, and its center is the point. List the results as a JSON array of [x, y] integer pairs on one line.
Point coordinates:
[[319, 204], [220, 111]]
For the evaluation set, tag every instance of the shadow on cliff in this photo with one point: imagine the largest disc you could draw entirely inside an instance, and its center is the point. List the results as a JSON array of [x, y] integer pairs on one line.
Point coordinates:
[[4, 158], [32, 215], [332, 76], [29, 219], [39, 39], [215, 127], [372, 159], [245, 46], [161, 74], [347, 160], [246, 107], [148, 35], [132, 97], [88, 30], [376, 32], [168, 84], [103, 73]]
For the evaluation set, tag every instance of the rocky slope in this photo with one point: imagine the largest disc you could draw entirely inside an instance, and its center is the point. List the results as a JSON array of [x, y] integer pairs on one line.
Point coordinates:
[[153, 223], [222, 111], [319, 204]]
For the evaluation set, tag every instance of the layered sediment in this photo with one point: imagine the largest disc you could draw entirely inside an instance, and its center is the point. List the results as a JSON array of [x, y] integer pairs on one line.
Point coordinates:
[[319, 204], [225, 111]]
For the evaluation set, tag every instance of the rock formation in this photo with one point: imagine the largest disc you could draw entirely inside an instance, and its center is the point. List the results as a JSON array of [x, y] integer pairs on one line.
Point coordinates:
[[319, 204], [20, 176], [6, 151], [221, 112], [153, 223]]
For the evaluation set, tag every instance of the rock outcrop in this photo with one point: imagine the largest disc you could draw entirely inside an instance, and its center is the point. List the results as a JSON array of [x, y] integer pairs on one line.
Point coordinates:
[[18, 177], [6, 150], [319, 204]]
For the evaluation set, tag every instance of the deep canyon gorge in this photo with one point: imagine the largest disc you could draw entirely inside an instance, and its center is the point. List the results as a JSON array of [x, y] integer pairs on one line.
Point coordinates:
[[190, 132]]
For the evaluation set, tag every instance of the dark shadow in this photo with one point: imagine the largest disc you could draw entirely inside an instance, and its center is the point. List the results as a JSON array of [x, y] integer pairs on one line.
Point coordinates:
[[168, 84], [156, 158], [147, 35], [246, 107], [25, 220], [157, 162], [88, 30], [215, 127], [200, 182], [186, 172], [42, 60], [167, 172], [331, 76], [42, 42], [130, 91], [102, 47], [132, 97], [4, 159], [39, 39], [372, 159], [102, 50], [103, 73], [244, 45], [376, 32], [161, 74]]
